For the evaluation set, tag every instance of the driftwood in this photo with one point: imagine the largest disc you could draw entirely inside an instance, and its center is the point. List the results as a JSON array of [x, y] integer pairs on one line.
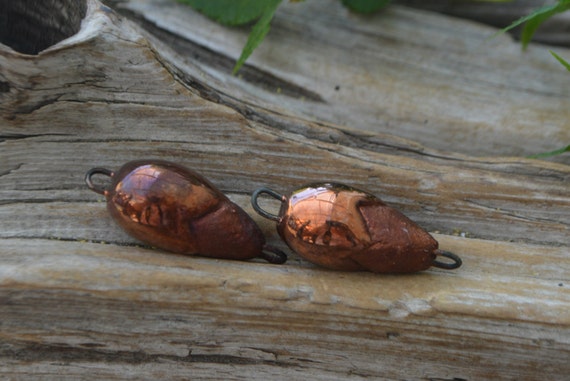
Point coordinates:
[[433, 122], [552, 31]]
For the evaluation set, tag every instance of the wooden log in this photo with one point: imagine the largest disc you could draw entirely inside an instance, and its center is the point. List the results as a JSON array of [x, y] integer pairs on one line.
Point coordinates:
[[441, 82], [79, 299], [553, 31], [34, 25]]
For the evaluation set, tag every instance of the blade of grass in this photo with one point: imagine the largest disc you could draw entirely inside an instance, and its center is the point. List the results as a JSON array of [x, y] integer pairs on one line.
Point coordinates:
[[551, 153], [532, 25], [564, 63], [258, 33], [535, 18]]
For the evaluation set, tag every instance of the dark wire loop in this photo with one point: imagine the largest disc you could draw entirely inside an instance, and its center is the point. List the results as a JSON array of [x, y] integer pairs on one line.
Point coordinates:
[[258, 209], [273, 255], [447, 265], [97, 171]]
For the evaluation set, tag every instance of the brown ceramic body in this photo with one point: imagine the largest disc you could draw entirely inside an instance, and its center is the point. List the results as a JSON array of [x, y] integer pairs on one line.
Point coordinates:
[[171, 207], [343, 228]]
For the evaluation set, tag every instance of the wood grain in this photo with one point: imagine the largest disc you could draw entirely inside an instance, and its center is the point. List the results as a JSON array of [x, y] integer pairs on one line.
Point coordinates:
[[162, 314], [441, 82], [79, 299], [502, 14]]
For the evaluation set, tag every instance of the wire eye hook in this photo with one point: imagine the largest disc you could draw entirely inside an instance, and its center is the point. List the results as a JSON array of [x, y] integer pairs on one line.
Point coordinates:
[[447, 265], [97, 171], [258, 208], [273, 255]]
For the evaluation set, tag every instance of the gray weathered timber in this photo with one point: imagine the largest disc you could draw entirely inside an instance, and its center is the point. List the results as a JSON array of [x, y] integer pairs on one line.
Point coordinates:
[[79, 299], [438, 81], [553, 31]]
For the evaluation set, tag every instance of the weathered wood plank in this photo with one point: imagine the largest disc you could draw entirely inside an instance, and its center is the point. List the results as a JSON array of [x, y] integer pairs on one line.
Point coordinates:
[[553, 31], [435, 80], [79, 299], [151, 311], [483, 194]]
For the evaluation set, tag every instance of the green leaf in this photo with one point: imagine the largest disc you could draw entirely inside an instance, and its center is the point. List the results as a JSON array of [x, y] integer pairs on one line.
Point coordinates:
[[231, 12], [551, 153], [534, 20], [258, 33], [365, 6], [565, 63], [532, 25]]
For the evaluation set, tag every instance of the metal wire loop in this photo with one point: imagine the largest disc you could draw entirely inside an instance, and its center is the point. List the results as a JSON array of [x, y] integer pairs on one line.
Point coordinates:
[[447, 265], [97, 171], [273, 255], [258, 209]]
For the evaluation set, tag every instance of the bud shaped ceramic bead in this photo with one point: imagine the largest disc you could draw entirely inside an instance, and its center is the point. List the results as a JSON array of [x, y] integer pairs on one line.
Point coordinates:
[[343, 228], [173, 208]]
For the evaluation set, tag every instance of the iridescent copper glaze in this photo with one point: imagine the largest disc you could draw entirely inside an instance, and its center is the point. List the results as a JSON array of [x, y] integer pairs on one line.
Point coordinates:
[[173, 208], [343, 228]]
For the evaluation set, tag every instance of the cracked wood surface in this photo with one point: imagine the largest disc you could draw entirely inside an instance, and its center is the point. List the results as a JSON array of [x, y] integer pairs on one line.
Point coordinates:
[[411, 74], [79, 299]]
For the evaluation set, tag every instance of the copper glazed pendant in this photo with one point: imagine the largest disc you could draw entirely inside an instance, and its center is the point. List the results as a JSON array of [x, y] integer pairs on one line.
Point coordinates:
[[173, 208], [343, 228]]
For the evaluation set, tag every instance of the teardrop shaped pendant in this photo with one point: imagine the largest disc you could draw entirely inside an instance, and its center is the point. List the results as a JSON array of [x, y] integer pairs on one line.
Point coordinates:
[[173, 208], [343, 228]]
